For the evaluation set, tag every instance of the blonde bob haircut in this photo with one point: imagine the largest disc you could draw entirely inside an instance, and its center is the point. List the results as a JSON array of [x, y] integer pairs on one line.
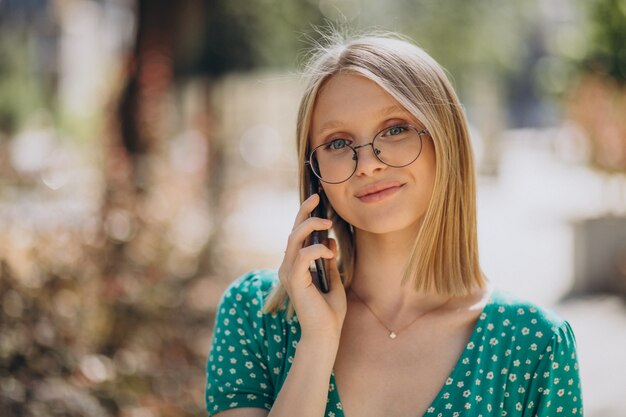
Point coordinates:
[[445, 251]]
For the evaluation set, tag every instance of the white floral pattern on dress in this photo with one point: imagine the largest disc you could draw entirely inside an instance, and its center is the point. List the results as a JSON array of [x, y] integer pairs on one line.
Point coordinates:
[[520, 360]]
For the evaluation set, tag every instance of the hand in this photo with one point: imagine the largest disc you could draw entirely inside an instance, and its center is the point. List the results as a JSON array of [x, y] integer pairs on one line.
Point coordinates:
[[320, 314]]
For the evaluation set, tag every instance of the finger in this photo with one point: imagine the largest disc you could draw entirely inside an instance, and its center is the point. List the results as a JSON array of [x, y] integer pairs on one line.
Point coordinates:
[[335, 277], [297, 237], [304, 229], [306, 208], [300, 270], [310, 253]]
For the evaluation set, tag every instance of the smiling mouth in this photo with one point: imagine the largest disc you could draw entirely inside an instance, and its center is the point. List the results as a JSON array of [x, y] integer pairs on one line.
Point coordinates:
[[380, 195]]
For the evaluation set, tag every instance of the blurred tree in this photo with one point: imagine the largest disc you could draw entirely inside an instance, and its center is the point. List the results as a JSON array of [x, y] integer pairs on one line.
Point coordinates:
[[143, 321], [241, 35], [28, 73], [598, 98], [145, 276], [606, 54], [597, 103]]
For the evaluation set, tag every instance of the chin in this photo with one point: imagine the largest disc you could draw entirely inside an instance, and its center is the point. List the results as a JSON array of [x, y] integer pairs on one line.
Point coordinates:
[[383, 219], [389, 224]]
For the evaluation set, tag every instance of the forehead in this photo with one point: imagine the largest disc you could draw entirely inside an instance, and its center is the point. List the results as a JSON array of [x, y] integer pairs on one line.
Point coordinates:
[[345, 98], [350, 85]]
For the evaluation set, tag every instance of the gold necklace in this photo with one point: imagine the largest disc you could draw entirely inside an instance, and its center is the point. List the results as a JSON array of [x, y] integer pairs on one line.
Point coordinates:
[[394, 334]]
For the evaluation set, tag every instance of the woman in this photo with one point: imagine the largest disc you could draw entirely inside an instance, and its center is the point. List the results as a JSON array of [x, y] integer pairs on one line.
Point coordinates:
[[382, 128]]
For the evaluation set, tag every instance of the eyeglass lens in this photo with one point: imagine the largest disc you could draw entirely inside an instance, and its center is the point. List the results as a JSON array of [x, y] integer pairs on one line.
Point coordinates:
[[397, 146]]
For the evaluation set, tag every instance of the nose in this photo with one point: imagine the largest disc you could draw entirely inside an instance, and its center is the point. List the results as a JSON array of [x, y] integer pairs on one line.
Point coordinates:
[[367, 162]]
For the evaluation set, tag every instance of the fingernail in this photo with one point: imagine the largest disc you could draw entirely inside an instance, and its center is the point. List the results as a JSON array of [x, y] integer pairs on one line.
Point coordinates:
[[329, 222]]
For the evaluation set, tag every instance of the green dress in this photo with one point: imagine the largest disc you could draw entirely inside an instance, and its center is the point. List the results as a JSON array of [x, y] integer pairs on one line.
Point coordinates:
[[519, 361]]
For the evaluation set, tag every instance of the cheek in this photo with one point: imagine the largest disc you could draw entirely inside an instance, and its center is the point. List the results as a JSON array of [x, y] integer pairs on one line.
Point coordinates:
[[337, 200]]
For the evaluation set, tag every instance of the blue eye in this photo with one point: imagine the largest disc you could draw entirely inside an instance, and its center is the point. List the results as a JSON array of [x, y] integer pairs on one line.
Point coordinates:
[[396, 130], [336, 144]]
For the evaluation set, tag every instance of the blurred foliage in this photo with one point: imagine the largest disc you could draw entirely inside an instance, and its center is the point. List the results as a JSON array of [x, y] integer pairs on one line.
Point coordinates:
[[467, 38], [76, 343], [21, 89], [482, 44], [597, 98], [598, 105], [607, 50], [462, 35], [242, 35]]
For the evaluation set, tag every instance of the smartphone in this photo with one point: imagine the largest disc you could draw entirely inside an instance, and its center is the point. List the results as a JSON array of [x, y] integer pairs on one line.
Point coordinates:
[[319, 236]]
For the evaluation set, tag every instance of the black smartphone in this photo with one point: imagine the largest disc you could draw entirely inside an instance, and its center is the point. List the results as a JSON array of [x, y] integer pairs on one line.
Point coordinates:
[[319, 236]]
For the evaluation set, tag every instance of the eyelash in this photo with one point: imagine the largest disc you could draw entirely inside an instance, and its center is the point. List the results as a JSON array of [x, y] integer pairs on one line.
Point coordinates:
[[401, 125], [330, 142]]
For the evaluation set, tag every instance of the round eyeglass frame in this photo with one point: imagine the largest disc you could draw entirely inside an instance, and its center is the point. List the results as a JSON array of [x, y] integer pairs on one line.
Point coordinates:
[[310, 162]]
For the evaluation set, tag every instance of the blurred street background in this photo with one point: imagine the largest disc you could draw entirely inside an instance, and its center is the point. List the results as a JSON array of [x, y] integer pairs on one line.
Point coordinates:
[[147, 159]]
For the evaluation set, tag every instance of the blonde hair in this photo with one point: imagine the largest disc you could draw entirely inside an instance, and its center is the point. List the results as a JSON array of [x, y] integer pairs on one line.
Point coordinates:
[[445, 250]]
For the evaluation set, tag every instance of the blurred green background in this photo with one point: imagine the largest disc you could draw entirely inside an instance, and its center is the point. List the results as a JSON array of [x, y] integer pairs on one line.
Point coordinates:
[[147, 158]]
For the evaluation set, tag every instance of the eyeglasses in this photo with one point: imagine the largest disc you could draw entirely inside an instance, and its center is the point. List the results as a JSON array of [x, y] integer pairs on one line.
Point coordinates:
[[336, 161]]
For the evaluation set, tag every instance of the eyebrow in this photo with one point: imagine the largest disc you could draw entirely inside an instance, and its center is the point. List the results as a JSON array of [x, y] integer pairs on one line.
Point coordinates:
[[332, 124]]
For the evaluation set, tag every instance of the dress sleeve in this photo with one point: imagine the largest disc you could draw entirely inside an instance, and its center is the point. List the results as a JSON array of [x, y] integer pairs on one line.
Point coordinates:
[[237, 367], [556, 387]]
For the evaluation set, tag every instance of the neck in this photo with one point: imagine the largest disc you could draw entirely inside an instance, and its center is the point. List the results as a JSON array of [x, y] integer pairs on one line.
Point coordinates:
[[379, 267]]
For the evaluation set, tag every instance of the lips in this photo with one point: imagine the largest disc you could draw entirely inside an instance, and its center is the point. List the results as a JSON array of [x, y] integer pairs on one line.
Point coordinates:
[[377, 187]]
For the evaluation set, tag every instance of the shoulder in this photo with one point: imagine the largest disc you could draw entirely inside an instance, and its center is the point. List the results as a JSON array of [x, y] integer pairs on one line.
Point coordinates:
[[249, 291], [524, 322], [511, 310], [530, 352], [258, 282]]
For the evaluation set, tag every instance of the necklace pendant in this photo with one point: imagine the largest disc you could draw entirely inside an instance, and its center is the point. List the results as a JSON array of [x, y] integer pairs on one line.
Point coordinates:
[[392, 335]]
